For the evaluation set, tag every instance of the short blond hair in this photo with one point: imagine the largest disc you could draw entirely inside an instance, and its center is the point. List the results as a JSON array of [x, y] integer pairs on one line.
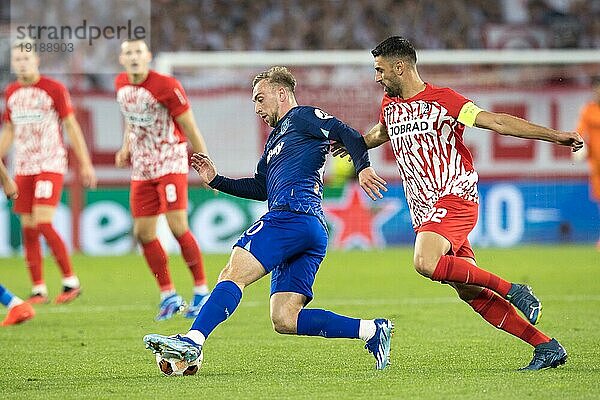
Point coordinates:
[[277, 75]]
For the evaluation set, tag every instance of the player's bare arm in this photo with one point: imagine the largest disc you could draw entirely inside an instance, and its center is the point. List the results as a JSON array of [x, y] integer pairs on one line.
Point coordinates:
[[8, 185], [6, 138], [375, 137], [188, 124], [506, 124], [123, 155], [86, 170], [204, 167]]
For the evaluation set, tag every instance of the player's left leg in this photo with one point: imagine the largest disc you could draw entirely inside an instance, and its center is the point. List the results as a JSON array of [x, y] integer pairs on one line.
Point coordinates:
[[499, 313], [43, 215], [291, 290], [289, 316], [178, 223], [48, 189], [18, 310]]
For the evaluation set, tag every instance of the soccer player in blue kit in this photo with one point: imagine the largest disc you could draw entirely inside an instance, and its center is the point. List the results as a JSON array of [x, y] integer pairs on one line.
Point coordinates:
[[290, 240]]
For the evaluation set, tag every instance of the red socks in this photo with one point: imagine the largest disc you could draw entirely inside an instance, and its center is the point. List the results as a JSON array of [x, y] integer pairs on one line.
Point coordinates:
[[33, 254], [157, 261], [454, 269], [58, 248], [501, 314], [193, 257], [159, 265]]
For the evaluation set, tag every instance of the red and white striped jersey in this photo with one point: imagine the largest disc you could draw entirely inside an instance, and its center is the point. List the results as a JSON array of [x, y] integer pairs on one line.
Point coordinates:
[[156, 143], [36, 112], [427, 140]]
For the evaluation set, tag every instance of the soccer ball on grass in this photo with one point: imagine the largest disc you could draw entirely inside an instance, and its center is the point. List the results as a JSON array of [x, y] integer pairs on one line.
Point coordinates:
[[177, 367]]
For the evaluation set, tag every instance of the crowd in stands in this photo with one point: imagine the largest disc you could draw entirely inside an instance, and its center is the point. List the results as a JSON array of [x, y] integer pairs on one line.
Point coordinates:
[[179, 25], [215, 25]]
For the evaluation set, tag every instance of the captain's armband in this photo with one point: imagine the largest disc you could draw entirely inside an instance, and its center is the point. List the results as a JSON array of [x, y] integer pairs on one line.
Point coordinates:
[[468, 113]]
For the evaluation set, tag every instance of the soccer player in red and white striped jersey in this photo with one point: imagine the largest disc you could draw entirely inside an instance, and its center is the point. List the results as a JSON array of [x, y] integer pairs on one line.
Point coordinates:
[[37, 107], [158, 120], [425, 125]]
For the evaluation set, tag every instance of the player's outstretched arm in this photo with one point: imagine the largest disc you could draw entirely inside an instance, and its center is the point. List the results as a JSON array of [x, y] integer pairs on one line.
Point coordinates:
[[8, 185], [86, 170], [188, 124], [247, 188], [506, 124]]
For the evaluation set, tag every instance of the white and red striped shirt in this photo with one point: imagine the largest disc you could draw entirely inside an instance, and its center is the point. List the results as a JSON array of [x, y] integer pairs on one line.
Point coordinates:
[[157, 146], [427, 140], [36, 112]]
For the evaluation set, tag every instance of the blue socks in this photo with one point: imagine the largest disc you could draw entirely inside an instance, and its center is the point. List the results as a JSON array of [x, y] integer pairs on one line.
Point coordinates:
[[315, 322], [221, 303], [5, 296], [226, 296]]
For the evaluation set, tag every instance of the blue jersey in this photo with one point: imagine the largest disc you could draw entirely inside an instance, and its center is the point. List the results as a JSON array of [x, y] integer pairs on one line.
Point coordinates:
[[290, 172]]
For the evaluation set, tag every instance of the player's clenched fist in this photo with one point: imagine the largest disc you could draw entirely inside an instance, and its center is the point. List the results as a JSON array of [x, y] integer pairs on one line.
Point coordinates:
[[204, 167]]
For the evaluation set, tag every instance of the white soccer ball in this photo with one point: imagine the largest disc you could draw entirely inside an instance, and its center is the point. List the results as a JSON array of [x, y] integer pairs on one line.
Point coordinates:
[[176, 367]]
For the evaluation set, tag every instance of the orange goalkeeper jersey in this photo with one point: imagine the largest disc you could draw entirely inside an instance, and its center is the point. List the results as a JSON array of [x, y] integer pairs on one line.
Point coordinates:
[[589, 128]]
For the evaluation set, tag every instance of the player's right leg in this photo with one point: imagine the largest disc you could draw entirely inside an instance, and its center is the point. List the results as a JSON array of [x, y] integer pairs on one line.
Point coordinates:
[[22, 206], [144, 231], [499, 313], [241, 270], [146, 204]]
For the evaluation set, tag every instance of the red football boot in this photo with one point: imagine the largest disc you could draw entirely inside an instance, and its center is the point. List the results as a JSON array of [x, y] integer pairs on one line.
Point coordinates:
[[20, 313]]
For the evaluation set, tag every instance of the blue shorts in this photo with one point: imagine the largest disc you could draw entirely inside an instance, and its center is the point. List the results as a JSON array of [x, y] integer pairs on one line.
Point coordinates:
[[289, 245]]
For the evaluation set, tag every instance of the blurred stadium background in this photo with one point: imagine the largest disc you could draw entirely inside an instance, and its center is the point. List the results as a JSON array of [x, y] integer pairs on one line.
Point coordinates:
[[532, 58]]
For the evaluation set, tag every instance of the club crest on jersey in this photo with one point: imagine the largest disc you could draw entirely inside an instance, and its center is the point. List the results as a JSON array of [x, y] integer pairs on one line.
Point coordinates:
[[274, 151], [322, 114], [284, 126]]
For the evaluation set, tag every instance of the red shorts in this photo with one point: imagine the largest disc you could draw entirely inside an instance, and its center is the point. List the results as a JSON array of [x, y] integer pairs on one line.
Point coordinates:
[[453, 218], [157, 196], [44, 188]]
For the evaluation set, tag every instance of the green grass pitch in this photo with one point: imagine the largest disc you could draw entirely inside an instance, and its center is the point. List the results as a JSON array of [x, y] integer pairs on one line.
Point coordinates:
[[92, 348]]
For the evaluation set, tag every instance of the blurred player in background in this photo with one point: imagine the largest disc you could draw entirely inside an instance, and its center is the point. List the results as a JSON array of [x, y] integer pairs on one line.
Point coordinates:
[[425, 125], [290, 240], [36, 109], [158, 118], [589, 126]]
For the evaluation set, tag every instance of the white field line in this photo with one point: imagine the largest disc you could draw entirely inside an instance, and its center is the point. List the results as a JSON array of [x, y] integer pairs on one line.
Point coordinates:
[[414, 301]]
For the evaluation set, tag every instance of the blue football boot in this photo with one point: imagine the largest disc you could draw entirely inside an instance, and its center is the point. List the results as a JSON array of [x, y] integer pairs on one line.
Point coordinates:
[[170, 306], [547, 355], [177, 346], [379, 344], [522, 297], [196, 304]]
